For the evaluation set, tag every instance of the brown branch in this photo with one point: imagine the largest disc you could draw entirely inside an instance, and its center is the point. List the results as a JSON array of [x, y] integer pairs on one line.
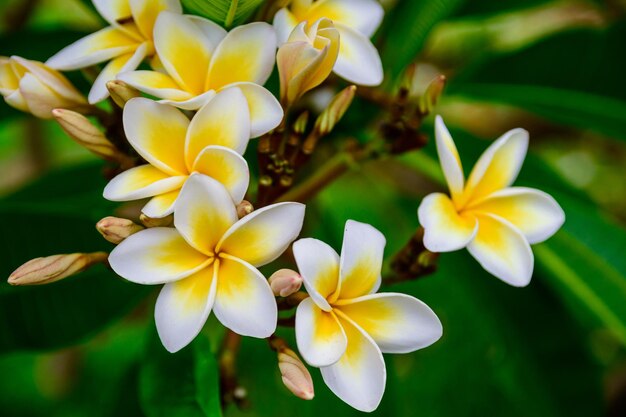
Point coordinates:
[[413, 261], [229, 386]]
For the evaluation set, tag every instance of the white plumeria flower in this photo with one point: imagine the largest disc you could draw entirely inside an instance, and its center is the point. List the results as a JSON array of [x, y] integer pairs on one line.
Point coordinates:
[[344, 326], [126, 43], [496, 222], [356, 21], [200, 58], [211, 143], [32, 87], [209, 262]]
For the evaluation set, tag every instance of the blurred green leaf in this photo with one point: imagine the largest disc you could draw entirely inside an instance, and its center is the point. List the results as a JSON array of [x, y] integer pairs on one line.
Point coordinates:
[[409, 24], [182, 384], [227, 13]]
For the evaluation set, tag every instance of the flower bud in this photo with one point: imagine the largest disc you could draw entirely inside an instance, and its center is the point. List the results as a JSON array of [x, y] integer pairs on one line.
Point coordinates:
[[431, 95], [156, 222], [121, 92], [32, 87], [244, 208], [115, 229], [329, 118], [294, 374], [54, 268], [307, 58], [285, 282]]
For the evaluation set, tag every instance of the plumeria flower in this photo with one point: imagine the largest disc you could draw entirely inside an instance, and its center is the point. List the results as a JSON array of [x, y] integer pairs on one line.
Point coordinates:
[[209, 262], [344, 325], [306, 59], [496, 222], [126, 43], [174, 147], [200, 58], [32, 87], [356, 21]]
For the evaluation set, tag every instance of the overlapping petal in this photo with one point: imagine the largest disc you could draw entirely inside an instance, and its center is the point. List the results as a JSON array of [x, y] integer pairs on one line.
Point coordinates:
[[161, 205], [227, 167], [502, 250], [147, 123], [265, 111], [145, 13], [449, 159], [141, 182], [123, 63], [223, 121], [183, 307], [359, 377], [156, 256], [318, 264], [204, 212], [321, 339], [445, 230], [156, 84], [361, 260], [358, 60], [113, 10], [398, 323], [244, 302], [284, 22], [498, 166], [364, 16], [262, 236], [245, 54]]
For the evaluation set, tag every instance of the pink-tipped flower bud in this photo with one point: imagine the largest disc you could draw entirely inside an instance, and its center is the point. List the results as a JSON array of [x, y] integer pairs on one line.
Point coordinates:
[[53, 268], [294, 374], [285, 282], [115, 229]]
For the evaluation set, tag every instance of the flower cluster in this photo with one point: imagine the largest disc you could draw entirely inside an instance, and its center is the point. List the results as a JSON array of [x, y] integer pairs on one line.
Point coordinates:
[[182, 147]]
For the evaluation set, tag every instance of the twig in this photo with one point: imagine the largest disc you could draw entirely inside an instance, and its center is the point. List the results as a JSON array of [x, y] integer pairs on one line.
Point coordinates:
[[230, 389]]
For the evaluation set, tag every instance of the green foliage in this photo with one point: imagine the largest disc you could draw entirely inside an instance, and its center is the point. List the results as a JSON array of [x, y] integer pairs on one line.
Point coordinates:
[[409, 24], [227, 13], [182, 384]]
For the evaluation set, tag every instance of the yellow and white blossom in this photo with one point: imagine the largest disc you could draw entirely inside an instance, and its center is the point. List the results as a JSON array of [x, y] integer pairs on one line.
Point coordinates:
[[209, 263], [175, 147], [200, 58], [344, 326], [356, 21], [496, 222], [126, 43], [307, 58], [32, 87]]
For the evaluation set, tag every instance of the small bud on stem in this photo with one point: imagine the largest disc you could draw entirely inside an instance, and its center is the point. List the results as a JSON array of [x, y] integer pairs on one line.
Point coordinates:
[[156, 222], [244, 208], [295, 375], [285, 282], [115, 229], [121, 92], [53, 268]]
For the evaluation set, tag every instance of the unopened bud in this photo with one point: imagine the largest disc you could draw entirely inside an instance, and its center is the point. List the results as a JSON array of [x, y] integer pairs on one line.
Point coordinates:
[[285, 282], [54, 268], [299, 126], [79, 128], [121, 92], [115, 229], [431, 95], [244, 208], [294, 374], [156, 222], [329, 118]]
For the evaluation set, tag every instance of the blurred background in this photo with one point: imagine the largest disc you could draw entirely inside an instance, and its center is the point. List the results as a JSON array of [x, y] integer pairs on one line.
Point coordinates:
[[87, 346]]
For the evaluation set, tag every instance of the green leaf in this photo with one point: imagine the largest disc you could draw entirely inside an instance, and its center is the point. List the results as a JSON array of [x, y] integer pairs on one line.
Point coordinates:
[[409, 24], [184, 383], [227, 13]]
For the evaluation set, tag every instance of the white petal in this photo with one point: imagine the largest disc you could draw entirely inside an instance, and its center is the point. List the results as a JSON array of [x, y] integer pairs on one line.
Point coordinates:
[[227, 167], [359, 377], [193, 103], [502, 250], [444, 229], [161, 205], [284, 22], [244, 302], [361, 260], [123, 63], [204, 212], [358, 61], [318, 264], [156, 256], [156, 84], [534, 213], [262, 236], [113, 10], [141, 182], [449, 159], [321, 339], [398, 323], [265, 111], [364, 16], [145, 13], [183, 307]]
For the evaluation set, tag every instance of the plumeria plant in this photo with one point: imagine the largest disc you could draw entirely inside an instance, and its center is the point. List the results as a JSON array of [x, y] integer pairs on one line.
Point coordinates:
[[210, 131]]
